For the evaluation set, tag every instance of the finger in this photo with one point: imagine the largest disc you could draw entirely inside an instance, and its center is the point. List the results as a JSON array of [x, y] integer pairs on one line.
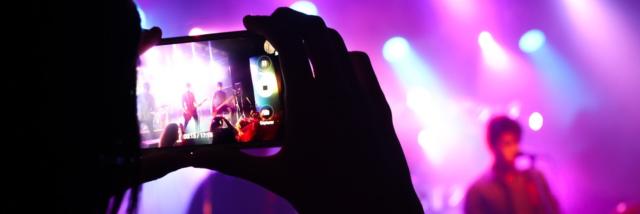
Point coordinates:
[[378, 106], [344, 73], [149, 38], [368, 81], [325, 49], [313, 32], [347, 90], [330, 61]]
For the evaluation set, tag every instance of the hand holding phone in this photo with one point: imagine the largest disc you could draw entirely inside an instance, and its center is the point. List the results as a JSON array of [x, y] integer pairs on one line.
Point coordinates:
[[339, 148]]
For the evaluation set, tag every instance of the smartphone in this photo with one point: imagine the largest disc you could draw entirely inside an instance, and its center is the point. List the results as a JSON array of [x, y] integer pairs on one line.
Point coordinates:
[[210, 90]]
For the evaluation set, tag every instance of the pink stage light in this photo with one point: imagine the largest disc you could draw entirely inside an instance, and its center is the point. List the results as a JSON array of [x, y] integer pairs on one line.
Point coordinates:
[[196, 31], [493, 54], [535, 121]]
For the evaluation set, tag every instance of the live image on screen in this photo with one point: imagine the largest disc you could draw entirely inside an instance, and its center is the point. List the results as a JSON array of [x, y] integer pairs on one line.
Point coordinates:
[[208, 92]]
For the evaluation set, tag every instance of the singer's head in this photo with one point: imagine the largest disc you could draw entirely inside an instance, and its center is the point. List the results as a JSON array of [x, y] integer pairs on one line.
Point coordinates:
[[503, 138]]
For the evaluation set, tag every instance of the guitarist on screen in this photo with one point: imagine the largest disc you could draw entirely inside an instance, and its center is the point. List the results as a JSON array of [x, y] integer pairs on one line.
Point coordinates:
[[221, 103], [190, 107]]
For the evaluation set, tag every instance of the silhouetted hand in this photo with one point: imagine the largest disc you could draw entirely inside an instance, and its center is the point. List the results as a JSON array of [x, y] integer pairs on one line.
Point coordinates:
[[341, 153], [148, 39]]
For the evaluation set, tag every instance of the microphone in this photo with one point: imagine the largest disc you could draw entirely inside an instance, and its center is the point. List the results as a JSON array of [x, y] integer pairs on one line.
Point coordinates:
[[525, 160]]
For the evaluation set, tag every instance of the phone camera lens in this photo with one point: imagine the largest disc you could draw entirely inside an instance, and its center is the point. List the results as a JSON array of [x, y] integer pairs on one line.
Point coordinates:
[[264, 62]]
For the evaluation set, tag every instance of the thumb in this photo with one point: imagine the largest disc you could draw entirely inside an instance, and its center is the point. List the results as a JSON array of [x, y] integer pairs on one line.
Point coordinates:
[[158, 163], [228, 160], [232, 161]]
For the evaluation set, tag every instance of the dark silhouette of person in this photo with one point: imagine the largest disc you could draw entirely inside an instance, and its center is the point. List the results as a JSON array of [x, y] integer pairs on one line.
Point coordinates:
[[355, 166], [219, 103], [189, 106], [88, 68]]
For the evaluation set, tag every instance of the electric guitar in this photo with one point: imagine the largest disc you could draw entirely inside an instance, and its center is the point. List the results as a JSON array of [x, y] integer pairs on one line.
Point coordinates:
[[186, 112], [215, 109]]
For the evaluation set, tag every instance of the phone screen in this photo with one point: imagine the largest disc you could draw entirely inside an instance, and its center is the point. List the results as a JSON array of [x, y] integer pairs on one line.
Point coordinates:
[[217, 89]]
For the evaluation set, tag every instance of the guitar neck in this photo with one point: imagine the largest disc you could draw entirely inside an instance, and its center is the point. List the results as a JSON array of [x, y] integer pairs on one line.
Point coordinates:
[[230, 98], [202, 102]]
